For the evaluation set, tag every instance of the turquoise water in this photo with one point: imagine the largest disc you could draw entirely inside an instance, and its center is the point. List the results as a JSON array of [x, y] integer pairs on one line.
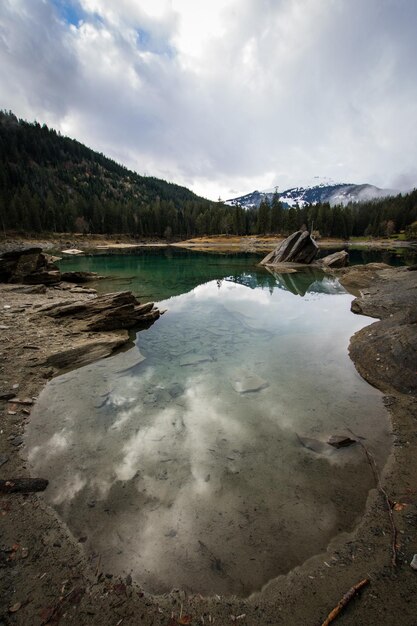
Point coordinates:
[[144, 271], [159, 273], [180, 460]]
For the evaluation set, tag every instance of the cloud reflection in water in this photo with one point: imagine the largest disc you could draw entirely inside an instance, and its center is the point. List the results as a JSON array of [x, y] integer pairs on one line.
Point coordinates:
[[174, 475]]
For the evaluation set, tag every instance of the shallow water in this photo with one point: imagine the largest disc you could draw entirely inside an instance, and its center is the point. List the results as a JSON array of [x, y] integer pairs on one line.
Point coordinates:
[[180, 460]]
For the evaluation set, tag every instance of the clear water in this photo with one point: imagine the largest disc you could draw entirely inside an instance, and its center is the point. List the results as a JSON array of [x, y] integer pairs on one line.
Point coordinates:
[[180, 460], [395, 257]]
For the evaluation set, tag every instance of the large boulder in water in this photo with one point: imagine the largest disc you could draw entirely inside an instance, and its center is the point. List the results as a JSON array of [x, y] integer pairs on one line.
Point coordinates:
[[297, 248]]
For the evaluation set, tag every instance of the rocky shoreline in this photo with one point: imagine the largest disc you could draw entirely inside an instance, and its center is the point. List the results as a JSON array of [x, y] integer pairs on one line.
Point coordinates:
[[46, 577]]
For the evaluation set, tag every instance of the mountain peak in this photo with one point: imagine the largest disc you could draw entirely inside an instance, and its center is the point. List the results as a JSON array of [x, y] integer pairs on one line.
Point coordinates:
[[325, 191]]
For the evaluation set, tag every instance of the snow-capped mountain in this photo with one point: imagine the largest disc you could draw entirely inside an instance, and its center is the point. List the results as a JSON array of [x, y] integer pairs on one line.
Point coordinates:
[[339, 193]]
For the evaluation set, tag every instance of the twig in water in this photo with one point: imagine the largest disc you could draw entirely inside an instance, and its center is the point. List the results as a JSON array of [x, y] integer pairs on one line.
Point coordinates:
[[344, 601]]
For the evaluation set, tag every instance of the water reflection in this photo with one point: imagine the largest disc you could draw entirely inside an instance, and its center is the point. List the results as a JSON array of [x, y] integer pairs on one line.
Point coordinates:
[[179, 460], [309, 280]]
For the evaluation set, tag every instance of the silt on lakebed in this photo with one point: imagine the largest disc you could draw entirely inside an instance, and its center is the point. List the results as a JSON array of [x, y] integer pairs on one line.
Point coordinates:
[[180, 460]]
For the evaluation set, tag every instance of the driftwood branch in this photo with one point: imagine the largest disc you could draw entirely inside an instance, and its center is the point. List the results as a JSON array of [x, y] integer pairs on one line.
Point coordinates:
[[23, 485], [344, 601], [388, 503]]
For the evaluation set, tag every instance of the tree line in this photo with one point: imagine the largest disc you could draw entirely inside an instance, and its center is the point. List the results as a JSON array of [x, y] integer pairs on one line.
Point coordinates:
[[51, 183]]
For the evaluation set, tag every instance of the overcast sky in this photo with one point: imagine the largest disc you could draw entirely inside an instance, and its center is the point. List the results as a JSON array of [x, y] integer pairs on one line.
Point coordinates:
[[223, 96]]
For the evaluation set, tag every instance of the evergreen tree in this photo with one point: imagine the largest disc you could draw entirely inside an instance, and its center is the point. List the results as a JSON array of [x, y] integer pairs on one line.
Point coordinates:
[[263, 224]]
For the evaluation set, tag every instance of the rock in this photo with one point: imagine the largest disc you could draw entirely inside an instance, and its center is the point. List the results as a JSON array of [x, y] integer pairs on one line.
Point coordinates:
[[27, 265], [82, 290], [72, 251], [110, 311], [413, 563], [51, 260], [79, 277], [315, 445], [304, 249], [297, 248], [17, 441], [19, 262], [3, 459], [340, 441], [86, 351], [176, 390], [385, 352], [282, 251], [361, 277], [194, 359], [23, 485], [33, 289], [337, 259], [249, 383], [44, 277], [7, 395], [27, 401]]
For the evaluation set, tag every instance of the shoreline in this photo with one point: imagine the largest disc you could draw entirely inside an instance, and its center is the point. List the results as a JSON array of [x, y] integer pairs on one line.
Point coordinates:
[[90, 244], [56, 577]]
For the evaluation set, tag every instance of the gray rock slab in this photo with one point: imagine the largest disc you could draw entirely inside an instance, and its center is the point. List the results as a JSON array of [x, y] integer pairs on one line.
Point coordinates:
[[249, 383]]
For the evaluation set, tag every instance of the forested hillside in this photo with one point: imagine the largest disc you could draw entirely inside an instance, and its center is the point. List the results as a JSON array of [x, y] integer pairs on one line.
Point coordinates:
[[50, 183]]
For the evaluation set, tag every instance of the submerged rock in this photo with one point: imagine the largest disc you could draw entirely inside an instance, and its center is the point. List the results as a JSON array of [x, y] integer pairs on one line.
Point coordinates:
[[194, 359], [315, 445], [246, 383], [297, 248]]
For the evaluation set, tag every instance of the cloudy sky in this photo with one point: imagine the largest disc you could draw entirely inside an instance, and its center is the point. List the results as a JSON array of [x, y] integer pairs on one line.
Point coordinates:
[[223, 96]]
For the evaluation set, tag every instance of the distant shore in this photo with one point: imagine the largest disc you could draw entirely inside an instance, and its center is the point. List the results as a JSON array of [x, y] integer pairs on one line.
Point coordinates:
[[225, 243]]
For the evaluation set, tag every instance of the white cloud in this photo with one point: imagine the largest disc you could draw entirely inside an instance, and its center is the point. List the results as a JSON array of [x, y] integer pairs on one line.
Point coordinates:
[[224, 96]]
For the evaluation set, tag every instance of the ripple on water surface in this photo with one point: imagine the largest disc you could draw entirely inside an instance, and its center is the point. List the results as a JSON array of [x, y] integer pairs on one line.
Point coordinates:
[[180, 460]]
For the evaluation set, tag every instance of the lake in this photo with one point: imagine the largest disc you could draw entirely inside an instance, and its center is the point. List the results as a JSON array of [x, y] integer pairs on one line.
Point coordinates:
[[198, 458]]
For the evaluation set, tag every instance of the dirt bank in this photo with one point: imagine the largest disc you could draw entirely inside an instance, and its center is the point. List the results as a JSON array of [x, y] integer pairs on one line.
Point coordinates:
[[46, 578]]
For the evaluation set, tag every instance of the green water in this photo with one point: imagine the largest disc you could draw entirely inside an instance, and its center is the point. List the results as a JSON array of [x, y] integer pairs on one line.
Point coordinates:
[[180, 460], [144, 271], [156, 274]]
